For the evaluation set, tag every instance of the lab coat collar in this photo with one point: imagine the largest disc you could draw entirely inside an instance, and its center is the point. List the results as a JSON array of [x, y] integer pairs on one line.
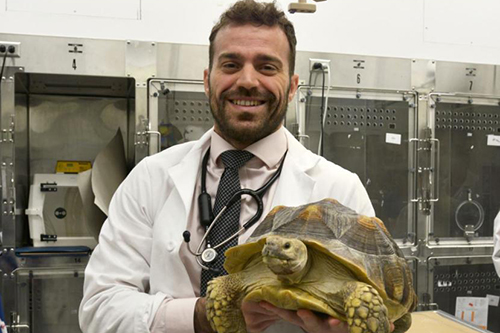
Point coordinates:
[[294, 177], [295, 184]]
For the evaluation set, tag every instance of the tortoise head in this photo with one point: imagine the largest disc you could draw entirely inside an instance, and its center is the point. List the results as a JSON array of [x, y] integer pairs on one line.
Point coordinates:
[[286, 257]]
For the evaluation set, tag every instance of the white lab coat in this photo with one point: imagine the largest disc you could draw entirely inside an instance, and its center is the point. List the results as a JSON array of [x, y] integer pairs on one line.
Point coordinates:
[[496, 241], [136, 264]]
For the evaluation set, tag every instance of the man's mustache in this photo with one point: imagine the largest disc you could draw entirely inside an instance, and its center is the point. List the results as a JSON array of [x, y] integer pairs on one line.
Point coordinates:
[[243, 92]]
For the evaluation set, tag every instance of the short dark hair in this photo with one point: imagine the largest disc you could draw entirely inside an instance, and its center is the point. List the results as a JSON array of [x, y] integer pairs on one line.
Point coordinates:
[[257, 14]]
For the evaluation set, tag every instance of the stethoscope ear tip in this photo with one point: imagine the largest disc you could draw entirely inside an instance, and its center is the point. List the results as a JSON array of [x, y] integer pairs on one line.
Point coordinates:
[[187, 236]]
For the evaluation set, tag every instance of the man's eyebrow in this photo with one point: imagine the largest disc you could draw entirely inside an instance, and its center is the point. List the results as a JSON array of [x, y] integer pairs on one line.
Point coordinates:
[[260, 57], [230, 55]]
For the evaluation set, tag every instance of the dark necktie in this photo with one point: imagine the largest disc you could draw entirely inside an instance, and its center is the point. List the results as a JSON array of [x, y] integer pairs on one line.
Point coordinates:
[[229, 222]]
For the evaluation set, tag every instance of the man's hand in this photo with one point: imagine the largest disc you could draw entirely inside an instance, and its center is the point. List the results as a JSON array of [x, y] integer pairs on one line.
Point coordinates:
[[201, 324], [307, 320], [265, 314], [257, 318]]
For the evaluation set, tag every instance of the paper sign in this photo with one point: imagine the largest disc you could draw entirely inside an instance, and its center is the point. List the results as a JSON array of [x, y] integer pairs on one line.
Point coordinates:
[[493, 140], [493, 300], [473, 310], [393, 138]]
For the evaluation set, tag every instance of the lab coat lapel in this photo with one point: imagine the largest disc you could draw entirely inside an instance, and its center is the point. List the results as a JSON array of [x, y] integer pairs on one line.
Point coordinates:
[[185, 174], [295, 185]]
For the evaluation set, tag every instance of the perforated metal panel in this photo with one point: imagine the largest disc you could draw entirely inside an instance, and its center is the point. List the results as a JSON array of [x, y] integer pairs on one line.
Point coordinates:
[[465, 280], [188, 108], [352, 115], [479, 119], [450, 278], [183, 111]]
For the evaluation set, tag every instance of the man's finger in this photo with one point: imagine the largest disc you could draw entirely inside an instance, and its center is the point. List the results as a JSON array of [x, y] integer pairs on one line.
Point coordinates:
[[254, 307], [311, 321], [287, 315], [333, 322], [314, 323], [256, 317]]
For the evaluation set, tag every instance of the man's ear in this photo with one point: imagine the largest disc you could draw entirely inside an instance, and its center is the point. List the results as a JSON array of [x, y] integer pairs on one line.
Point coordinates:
[[294, 84], [206, 83]]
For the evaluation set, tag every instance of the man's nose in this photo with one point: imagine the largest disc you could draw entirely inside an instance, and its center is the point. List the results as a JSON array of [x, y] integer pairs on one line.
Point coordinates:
[[248, 77]]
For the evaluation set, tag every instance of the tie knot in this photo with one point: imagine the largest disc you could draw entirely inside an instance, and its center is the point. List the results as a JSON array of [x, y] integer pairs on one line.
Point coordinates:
[[235, 158]]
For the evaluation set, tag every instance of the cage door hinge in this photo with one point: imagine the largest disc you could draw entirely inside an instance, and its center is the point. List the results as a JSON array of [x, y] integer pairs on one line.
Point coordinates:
[[7, 135], [143, 136], [428, 149]]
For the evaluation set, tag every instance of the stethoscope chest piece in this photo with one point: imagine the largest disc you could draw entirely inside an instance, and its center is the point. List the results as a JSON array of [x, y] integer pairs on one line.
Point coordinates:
[[208, 255], [207, 219]]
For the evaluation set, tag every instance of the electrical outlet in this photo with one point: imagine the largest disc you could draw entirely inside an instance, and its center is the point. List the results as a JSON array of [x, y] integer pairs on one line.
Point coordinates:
[[324, 62], [13, 49]]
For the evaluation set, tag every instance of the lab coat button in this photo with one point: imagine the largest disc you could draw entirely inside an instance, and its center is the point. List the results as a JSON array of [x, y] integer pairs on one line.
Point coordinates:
[[170, 246]]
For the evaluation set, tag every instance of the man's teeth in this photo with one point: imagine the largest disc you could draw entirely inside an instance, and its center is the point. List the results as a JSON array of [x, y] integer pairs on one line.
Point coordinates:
[[246, 103]]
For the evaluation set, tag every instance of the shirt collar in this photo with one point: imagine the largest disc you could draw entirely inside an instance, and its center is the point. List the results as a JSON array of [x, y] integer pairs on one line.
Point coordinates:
[[269, 150]]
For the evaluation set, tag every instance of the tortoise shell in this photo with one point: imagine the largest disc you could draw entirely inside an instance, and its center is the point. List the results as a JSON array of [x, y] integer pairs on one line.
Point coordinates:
[[360, 243]]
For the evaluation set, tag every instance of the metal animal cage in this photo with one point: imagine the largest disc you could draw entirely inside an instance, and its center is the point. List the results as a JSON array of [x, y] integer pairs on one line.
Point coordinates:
[[421, 135]]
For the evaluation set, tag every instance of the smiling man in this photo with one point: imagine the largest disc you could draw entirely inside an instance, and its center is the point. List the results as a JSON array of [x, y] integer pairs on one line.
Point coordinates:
[[143, 277], [249, 82]]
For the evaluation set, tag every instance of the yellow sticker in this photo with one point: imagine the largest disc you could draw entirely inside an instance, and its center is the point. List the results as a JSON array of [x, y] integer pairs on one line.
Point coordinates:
[[73, 166]]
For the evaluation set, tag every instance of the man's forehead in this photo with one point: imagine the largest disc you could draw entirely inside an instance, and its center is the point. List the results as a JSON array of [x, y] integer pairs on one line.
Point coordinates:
[[274, 35]]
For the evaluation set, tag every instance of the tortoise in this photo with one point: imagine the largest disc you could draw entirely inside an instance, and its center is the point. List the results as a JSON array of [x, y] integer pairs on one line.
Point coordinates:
[[321, 256]]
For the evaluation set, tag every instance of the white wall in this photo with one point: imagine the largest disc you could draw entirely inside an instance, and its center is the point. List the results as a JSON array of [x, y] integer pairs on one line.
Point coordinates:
[[453, 30]]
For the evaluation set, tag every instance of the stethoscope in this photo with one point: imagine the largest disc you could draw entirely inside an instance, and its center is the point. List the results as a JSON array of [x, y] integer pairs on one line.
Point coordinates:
[[208, 255]]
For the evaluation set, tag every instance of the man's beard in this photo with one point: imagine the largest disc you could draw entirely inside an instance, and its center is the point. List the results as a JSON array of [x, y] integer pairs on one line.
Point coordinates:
[[265, 126]]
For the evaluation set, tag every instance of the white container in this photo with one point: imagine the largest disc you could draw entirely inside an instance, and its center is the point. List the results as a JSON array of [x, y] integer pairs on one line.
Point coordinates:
[[55, 209]]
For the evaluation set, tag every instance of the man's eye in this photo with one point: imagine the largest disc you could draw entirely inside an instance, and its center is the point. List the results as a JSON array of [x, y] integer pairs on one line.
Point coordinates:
[[229, 65], [269, 68]]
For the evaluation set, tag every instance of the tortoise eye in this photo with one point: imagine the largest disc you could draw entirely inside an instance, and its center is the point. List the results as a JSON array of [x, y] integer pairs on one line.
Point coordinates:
[[287, 246]]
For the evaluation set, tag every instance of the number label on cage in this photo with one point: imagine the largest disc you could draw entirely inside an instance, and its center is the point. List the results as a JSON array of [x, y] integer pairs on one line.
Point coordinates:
[[493, 300], [493, 140], [393, 138], [473, 310]]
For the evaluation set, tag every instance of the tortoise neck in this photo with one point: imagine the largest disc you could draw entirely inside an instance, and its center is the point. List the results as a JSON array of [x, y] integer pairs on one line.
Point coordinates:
[[297, 277]]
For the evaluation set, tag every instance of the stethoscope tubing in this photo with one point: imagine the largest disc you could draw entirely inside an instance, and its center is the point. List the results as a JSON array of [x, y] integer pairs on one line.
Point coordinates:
[[256, 194], [234, 198]]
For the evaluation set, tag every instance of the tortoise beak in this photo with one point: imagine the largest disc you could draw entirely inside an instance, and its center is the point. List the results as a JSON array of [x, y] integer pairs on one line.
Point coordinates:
[[269, 248], [273, 248]]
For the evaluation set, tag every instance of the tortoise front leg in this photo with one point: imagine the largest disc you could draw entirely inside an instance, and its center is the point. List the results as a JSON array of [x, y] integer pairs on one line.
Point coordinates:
[[223, 304], [364, 309]]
